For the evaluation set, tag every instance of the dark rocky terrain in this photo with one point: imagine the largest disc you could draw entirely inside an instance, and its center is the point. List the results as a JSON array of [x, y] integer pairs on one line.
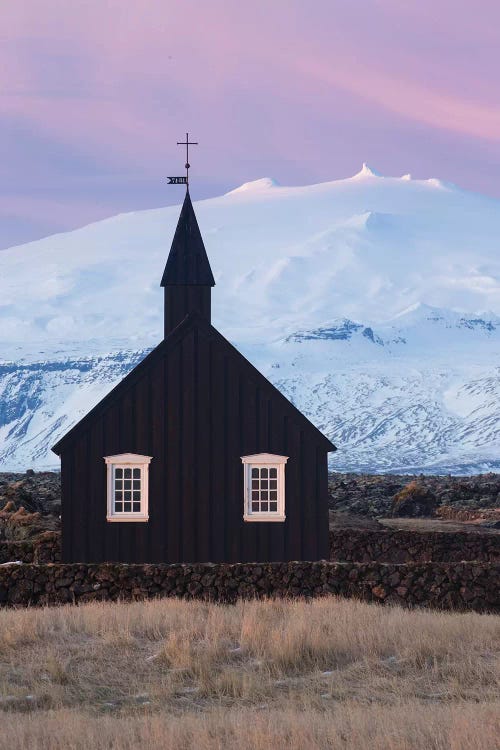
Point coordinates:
[[373, 496], [30, 505], [35, 491]]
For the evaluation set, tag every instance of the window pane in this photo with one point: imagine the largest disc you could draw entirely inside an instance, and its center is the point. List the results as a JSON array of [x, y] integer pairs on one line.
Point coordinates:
[[118, 473], [127, 473], [128, 495], [273, 473], [137, 484], [263, 473], [128, 484], [255, 484], [263, 507], [137, 473], [137, 507], [118, 507], [263, 495], [118, 496], [255, 495], [273, 495], [118, 484], [255, 472], [263, 484], [273, 507], [127, 507], [136, 496], [255, 507], [273, 484]]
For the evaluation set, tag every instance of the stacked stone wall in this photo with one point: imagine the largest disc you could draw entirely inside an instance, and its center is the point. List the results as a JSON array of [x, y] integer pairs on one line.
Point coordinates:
[[461, 586], [395, 546], [45, 549], [346, 545]]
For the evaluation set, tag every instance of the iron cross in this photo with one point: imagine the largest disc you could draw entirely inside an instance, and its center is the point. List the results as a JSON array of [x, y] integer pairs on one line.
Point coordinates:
[[187, 143]]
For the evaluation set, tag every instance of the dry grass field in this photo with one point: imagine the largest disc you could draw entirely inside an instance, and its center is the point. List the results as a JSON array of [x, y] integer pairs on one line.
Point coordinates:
[[290, 675]]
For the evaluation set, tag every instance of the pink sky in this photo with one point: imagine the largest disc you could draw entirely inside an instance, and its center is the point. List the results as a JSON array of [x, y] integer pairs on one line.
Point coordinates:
[[95, 93]]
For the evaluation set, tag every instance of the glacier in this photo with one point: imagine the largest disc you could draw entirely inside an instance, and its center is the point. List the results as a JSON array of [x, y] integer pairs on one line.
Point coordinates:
[[372, 302]]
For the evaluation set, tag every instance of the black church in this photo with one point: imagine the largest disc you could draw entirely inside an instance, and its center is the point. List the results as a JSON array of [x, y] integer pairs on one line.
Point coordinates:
[[194, 456]]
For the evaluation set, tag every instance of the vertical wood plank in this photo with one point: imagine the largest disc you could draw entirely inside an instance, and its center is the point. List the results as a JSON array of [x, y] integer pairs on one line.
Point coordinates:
[[308, 501], [202, 439], [188, 458], [80, 493], [217, 455], [157, 501], [234, 495], [173, 495], [97, 499], [292, 492]]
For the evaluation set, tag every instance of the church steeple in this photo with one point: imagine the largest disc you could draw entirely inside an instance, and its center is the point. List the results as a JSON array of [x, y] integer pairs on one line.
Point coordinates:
[[187, 278]]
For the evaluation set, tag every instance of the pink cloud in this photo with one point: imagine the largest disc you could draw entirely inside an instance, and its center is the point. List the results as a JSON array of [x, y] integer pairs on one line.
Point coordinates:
[[117, 67], [306, 89], [411, 100]]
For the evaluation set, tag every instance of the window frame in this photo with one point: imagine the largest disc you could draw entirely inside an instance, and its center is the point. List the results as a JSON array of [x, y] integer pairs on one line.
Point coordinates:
[[269, 461], [127, 461]]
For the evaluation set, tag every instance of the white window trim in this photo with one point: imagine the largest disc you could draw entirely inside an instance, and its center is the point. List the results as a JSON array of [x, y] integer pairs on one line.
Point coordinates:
[[127, 461], [269, 460]]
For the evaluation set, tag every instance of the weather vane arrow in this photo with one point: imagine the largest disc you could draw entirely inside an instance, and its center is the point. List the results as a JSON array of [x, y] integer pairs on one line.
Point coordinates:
[[177, 180], [183, 180]]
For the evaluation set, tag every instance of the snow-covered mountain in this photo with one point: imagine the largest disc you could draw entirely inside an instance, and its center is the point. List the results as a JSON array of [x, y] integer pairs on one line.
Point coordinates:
[[373, 302]]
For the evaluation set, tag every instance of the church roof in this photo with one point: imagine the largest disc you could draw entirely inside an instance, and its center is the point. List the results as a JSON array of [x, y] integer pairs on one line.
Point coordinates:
[[187, 262], [197, 321]]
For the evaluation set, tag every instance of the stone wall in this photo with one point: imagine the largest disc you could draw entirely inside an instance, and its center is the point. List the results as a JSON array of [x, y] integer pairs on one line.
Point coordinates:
[[44, 549], [462, 586], [346, 545], [394, 546]]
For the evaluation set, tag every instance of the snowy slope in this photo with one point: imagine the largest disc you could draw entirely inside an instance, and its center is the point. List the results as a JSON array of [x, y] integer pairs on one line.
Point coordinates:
[[373, 302]]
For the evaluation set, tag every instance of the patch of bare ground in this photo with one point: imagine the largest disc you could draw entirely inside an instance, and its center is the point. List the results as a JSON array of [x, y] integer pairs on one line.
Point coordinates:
[[330, 673], [423, 525]]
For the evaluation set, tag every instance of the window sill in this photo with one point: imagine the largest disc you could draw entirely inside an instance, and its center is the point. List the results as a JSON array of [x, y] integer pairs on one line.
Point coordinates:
[[126, 519], [264, 517]]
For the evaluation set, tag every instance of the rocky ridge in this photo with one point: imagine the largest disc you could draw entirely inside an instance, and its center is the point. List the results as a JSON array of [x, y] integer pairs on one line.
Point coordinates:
[[373, 495]]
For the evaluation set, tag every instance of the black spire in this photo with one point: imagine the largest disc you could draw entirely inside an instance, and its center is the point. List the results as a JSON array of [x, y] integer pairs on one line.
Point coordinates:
[[187, 261], [188, 278]]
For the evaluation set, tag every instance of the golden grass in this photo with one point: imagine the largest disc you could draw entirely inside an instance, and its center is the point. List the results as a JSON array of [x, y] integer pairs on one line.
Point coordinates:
[[331, 673]]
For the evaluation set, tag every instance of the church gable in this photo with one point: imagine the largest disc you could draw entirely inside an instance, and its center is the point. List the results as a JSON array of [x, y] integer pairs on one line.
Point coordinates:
[[198, 362]]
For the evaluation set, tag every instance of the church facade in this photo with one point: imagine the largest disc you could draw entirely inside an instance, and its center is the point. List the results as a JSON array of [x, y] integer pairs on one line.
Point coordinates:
[[194, 456]]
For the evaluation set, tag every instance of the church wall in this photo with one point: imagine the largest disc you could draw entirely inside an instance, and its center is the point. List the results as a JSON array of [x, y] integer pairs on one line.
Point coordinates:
[[196, 411]]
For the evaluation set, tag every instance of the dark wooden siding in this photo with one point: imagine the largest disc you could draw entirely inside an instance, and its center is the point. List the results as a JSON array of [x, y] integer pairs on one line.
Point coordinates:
[[183, 299], [196, 410]]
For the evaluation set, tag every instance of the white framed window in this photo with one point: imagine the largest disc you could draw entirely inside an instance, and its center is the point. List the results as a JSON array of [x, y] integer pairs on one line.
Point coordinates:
[[264, 487], [127, 487]]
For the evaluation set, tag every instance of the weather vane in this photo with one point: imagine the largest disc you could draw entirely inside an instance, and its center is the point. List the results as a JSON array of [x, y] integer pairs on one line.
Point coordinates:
[[183, 180]]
